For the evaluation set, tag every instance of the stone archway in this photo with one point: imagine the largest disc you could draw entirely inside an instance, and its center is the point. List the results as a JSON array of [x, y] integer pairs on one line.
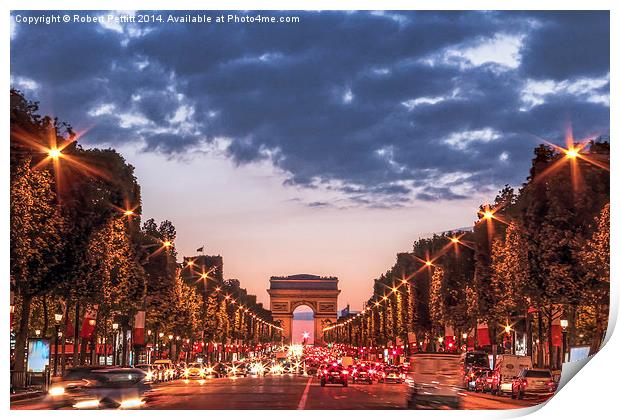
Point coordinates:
[[318, 293]]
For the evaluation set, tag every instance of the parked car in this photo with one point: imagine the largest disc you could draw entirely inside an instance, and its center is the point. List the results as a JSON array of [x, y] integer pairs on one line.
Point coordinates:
[[484, 382], [507, 367], [434, 381], [335, 374], [538, 382]]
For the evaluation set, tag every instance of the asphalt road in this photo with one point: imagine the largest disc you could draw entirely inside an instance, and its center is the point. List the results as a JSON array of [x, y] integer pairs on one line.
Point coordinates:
[[288, 393]]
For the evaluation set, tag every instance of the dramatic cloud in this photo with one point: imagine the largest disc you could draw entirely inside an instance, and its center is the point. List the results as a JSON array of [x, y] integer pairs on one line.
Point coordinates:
[[385, 108]]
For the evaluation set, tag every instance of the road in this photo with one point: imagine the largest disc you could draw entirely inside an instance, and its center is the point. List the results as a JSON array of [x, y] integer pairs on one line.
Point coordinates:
[[288, 393]]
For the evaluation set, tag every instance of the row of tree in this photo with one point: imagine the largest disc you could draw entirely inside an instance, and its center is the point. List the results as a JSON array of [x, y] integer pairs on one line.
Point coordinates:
[[534, 256], [78, 249]]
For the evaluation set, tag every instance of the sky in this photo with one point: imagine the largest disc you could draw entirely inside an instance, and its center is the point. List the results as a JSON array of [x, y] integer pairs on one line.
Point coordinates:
[[325, 146]]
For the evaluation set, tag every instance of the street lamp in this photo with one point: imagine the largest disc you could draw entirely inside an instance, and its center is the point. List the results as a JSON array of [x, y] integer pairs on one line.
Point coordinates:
[[57, 318], [37, 332], [564, 325]]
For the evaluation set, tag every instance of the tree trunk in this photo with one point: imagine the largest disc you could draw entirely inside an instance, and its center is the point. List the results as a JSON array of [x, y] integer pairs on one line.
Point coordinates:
[[63, 361], [528, 333], [83, 343], [552, 358], [22, 334], [76, 333], [46, 318], [539, 347], [597, 337]]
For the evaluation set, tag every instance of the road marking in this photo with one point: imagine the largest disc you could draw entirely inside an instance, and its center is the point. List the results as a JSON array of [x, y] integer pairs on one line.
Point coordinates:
[[304, 396]]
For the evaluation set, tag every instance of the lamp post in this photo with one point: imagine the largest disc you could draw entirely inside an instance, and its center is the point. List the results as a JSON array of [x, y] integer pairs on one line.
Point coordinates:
[[564, 325], [57, 318], [464, 335], [161, 343], [170, 337], [508, 329], [114, 355], [148, 352]]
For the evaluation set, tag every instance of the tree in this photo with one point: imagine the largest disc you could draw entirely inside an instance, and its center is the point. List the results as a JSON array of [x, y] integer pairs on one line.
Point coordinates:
[[594, 262], [36, 238]]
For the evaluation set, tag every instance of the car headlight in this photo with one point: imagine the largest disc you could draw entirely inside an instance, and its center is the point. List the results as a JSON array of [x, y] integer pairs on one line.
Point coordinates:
[[131, 403], [57, 390], [87, 404]]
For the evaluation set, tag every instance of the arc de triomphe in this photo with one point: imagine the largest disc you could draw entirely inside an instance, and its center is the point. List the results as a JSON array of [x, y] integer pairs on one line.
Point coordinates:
[[319, 293]]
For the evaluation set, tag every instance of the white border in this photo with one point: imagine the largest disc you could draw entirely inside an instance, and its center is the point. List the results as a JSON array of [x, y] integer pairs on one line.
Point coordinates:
[[590, 395]]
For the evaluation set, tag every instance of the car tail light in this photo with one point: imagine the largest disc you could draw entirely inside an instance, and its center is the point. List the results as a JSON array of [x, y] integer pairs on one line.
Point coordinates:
[[384, 374], [345, 372], [524, 382], [402, 375], [325, 371]]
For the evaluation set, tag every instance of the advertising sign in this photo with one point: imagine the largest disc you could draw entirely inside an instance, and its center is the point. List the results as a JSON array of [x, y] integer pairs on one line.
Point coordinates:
[[38, 354]]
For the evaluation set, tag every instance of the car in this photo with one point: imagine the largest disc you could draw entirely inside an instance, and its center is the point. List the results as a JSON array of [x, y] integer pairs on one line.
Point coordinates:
[[484, 381], [392, 374], [376, 371], [433, 381], [469, 382], [506, 368], [237, 369], [361, 373], [335, 374], [537, 382], [179, 369], [100, 387], [169, 372], [194, 371], [152, 373], [473, 375], [219, 370]]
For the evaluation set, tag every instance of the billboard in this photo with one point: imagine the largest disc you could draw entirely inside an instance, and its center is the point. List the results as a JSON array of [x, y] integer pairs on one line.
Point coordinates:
[[38, 354]]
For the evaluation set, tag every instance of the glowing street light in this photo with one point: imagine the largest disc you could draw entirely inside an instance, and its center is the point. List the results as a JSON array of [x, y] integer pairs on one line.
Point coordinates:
[[454, 240], [306, 335], [507, 329], [128, 212], [572, 153], [167, 244], [428, 263], [54, 153]]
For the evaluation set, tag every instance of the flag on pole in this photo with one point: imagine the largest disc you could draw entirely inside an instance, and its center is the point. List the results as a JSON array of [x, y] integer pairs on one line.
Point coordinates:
[[138, 327], [201, 249]]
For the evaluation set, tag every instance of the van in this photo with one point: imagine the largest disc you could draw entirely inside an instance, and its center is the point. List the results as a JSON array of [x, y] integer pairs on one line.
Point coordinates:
[[507, 367], [433, 381]]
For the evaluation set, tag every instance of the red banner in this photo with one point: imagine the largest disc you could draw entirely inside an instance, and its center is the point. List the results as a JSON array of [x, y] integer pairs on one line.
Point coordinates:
[[88, 324], [69, 330], [138, 328], [483, 335]]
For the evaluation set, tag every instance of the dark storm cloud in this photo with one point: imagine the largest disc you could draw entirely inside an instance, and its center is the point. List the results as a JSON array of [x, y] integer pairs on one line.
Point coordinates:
[[383, 109]]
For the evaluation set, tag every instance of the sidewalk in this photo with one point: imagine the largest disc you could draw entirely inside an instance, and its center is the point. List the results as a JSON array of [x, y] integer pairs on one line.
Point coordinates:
[[26, 394]]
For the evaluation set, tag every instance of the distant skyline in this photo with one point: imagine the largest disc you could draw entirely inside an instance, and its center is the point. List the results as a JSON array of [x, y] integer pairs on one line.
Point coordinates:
[[325, 146]]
